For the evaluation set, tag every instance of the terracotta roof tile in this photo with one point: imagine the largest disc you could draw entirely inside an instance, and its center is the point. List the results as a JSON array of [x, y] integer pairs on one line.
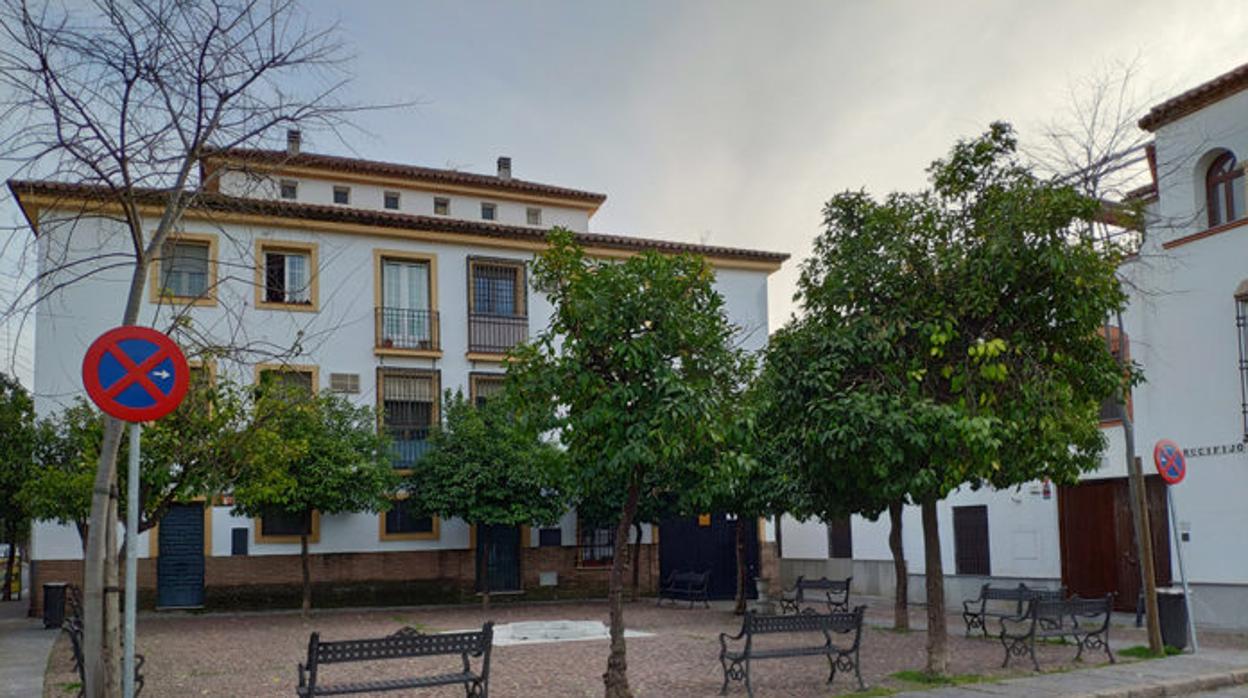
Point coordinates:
[[388, 219], [1196, 98], [391, 169]]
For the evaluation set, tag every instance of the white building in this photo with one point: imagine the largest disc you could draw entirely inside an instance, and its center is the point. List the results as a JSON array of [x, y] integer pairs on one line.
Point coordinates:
[[1186, 326], [391, 283]]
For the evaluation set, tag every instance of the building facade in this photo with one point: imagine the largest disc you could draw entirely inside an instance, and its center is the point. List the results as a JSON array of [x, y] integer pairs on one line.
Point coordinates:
[[387, 283], [1187, 326]]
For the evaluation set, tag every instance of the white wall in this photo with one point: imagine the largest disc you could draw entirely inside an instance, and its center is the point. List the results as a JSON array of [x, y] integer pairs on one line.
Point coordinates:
[[338, 339], [412, 200]]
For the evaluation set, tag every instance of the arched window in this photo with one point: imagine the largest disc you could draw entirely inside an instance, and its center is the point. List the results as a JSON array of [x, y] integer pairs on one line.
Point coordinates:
[[1224, 189]]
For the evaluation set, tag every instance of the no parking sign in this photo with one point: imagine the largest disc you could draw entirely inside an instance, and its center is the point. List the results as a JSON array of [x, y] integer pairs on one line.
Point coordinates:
[[1170, 461], [135, 373]]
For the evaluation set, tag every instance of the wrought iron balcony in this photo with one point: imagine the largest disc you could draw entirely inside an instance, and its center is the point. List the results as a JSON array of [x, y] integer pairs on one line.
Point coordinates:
[[496, 334], [401, 328]]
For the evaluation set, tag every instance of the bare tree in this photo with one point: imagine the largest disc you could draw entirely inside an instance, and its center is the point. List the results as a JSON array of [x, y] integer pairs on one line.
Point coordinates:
[[1097, 147], [127, 97]]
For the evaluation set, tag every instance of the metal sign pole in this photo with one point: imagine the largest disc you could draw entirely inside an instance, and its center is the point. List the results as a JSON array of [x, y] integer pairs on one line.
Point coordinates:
[[132, 561], [1178, 547]]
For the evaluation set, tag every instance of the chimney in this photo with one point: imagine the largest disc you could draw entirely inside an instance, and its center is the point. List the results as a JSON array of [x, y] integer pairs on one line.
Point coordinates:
[[293, 140], [504, 168]]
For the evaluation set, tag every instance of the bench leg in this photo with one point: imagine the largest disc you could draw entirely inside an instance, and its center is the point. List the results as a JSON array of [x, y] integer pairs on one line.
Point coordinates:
[[1031, 646], [1017, 647], [749, 690], [734, 671]]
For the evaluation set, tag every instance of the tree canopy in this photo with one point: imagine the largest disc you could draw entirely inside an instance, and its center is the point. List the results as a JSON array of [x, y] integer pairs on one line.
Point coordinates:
[[313, 453], [486, 467], [634, 366], [947, 337]]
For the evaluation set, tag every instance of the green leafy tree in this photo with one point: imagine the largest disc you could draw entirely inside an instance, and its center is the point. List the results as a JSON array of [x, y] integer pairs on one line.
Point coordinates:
[[634, 365], [198, 450], [488, 468], [958, 337], [750, 481], [866, 470], [312, 454], [17, 442]]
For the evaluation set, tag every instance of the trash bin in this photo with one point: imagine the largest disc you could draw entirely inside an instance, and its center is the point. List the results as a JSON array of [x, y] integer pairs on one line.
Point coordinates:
[[1172, 613], [54, 604]]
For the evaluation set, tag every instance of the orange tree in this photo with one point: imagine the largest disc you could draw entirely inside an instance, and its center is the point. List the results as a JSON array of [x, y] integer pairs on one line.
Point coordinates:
[[634, 367], [947, 338]]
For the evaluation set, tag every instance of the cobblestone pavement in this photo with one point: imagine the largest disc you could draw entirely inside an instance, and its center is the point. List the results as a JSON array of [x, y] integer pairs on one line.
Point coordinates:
[[256, 654]]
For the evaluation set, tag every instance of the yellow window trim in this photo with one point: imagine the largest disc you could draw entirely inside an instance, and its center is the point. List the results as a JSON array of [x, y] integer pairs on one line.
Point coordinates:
[[521, 289], [153, 533], [261, 368], [261, 539], [476, 376], [429, 259], [314, 274], [383, 535], [157, 295], [435, 416], [486, 357]]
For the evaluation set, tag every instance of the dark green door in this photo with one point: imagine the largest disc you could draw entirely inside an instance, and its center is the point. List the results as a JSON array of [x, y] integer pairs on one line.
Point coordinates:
[[498, 555], [180, 559]]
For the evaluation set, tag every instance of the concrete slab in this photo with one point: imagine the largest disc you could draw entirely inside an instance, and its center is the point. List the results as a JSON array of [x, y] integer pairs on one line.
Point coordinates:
[[1172, 676], [24, 646]]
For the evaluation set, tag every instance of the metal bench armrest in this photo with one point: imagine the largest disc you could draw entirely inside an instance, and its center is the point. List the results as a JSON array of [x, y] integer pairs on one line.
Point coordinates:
[[1025, 621]]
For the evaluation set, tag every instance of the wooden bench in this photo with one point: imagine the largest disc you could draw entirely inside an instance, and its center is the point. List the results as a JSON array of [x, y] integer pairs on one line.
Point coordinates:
[[835, 595], [842, 657], [1002, 602], [1086, 621], [404, 644], [73, 627], [685, 586]]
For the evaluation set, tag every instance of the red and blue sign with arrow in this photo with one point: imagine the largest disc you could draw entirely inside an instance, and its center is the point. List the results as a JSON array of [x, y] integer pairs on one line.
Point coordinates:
[[135, 373], [1170, 461]]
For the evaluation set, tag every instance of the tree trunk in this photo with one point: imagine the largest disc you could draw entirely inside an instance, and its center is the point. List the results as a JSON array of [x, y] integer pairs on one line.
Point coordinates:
[[101, 554], [635, 561], [112, 600], [901, 595], [937, 635], [616, 678], [307, 574], [742, 570], [9, 564], [484, 570]]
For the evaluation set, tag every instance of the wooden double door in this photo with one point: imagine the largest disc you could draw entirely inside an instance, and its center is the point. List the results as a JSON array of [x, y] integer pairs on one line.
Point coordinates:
[[1098, 539]]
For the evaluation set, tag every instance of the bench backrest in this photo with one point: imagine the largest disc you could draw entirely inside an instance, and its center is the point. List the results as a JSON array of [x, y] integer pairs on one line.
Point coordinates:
[[689, 578], [399, 646], [1078, 610], [839, 622], [1015, 594], [824, 584]]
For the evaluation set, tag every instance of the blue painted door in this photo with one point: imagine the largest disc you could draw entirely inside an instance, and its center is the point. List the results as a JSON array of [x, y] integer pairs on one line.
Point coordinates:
[[180, 558]]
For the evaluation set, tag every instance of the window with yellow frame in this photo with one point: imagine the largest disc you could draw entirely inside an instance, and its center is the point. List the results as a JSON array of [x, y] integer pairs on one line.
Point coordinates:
[[287, 275], [400, 523], [185, 271]]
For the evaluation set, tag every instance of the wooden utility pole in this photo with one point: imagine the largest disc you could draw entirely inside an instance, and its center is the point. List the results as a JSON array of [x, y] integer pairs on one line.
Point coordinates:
[[1144, 546]]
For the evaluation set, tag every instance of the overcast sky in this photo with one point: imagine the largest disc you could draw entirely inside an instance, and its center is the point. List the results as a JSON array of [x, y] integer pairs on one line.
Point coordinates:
[[730, 123]]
